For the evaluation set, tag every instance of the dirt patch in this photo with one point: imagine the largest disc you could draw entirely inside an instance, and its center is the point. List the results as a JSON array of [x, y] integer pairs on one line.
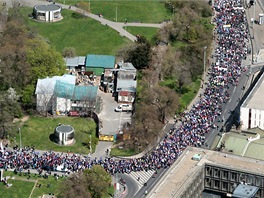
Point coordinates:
[[24, 119]]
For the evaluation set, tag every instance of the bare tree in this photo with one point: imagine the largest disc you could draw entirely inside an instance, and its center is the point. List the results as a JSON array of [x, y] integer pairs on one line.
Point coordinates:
[[44, 97]]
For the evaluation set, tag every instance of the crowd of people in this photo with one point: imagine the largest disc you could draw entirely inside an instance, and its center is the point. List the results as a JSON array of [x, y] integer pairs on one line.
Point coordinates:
[[231, 37]]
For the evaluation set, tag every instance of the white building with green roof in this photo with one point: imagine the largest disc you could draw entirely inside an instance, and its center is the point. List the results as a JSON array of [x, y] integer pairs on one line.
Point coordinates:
[[61, 94]]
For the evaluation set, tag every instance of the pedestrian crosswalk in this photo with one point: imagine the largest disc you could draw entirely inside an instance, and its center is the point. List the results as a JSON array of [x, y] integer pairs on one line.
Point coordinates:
[[141, 177]]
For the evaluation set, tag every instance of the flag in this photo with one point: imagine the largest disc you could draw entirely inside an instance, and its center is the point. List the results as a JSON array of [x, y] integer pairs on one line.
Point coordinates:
[[1, 147]]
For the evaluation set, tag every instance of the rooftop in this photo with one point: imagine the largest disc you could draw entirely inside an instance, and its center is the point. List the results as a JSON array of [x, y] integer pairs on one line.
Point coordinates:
[[47, 85], [237, 143], [126, 85], [184, 169], [245, 191], [87, 93], [102, 61], [127, 66], [74, 62], [255, 98], [64, 129], [47, 7]]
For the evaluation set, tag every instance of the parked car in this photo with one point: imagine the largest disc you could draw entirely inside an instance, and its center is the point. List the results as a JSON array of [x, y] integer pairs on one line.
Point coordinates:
[[123, 107], [73, 114]]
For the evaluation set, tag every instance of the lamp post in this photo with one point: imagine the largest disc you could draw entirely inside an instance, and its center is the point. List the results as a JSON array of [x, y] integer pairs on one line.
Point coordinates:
[[254, 12], [116, 14], [90, 144], [20, 140], [205, 47]]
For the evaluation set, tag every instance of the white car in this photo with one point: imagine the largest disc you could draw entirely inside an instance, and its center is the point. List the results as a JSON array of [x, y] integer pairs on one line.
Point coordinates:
[[123, 107]]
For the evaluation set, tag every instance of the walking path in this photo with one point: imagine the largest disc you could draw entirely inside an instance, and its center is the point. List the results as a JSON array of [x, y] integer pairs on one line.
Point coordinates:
[[119, 27]]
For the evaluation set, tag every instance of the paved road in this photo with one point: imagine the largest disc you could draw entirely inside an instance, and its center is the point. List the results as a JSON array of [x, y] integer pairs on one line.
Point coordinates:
[[236, 92], [119, 27]]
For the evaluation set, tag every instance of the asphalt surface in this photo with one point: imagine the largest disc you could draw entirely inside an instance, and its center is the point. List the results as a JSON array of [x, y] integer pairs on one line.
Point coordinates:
[[237, 93]]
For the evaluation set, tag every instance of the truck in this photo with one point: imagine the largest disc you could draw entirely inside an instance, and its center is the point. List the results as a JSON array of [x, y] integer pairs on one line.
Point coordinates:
[[123, 107]]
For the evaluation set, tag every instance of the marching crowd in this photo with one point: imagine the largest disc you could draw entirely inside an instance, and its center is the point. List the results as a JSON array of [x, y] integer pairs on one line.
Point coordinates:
[[231, 37]]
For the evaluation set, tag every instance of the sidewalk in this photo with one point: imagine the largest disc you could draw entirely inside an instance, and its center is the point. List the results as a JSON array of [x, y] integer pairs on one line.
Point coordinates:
[[256, 31]]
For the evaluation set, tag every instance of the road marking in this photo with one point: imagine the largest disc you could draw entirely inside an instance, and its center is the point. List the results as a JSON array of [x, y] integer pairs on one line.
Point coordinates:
[[143, 176]]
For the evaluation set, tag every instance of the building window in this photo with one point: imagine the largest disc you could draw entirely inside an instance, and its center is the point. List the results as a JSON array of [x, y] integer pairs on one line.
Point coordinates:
[[216, 173], [216, 184], [225, 174], [249, 118], [225, 186], [233, 176], [208, 171]]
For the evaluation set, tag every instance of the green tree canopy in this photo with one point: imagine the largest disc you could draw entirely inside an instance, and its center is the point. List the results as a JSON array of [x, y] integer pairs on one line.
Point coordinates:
[[98, 181], [44, 60], [139, 55], [92, 182], [9, 108]]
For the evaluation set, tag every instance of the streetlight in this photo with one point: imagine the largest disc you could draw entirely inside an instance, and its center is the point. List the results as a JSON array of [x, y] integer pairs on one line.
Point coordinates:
[[116, 14], [90, 144], [254, 12], [20, 140], [205, 47]]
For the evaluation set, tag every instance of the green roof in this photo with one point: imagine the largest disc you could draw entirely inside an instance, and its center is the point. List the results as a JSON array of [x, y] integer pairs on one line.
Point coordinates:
[[255, 151], [63, 89], [85, 93], [235, 142], [73, 92], [102, 61]]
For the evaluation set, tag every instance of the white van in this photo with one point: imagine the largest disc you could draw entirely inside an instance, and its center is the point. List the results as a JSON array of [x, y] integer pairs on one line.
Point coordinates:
[[123, 107]]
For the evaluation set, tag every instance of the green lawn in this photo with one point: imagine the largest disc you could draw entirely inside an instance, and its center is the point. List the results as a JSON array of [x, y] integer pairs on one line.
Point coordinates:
[[37, 130], [132, 10], [187, 97], [22, 187], [148, 32], [121, 152], [86, 35]]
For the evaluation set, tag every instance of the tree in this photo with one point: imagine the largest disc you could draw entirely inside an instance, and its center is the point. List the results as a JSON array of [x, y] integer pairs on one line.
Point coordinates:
[[92, 182], [9, 109], [98, 181], [68, 52], [44, 60], [165, 100], [139, 56], [75, 186], [15, 71]]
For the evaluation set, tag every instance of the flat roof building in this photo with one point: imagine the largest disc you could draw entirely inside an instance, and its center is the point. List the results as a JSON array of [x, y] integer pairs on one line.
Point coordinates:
[[47, 12], [252, 109], [215, 171]]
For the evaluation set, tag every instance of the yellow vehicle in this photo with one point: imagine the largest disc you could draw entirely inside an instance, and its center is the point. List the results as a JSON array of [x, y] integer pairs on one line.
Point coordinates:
[[108, 138]]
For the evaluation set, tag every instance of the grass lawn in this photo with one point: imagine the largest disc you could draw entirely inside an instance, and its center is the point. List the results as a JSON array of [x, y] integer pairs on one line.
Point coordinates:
[[187, 98], [132, 10], [22, 187], [36, 132], [148, 32], [121, 152], [86, 35]]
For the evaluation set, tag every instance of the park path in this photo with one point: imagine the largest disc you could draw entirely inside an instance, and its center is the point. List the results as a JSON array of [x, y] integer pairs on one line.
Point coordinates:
[[119, 27]]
